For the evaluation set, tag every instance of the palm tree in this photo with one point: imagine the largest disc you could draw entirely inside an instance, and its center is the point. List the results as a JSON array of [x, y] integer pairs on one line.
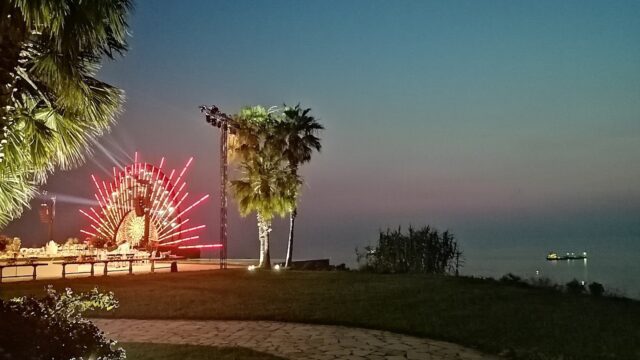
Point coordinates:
[[265, 181], [299, 131], [51, 105]]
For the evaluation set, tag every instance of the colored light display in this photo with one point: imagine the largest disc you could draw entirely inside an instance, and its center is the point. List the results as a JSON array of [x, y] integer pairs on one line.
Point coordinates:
[[136, 190]]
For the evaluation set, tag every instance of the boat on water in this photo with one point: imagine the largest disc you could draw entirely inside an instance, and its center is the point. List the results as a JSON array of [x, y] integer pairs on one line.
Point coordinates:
[[552, 256]]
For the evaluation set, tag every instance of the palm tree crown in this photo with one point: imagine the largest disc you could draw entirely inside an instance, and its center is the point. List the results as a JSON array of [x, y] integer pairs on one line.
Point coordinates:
[[300, 132], [51, 105], [265, 182]]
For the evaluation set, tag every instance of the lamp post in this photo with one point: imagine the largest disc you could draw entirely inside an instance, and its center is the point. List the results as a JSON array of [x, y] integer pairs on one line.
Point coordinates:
[[217, 118], [48, 214]]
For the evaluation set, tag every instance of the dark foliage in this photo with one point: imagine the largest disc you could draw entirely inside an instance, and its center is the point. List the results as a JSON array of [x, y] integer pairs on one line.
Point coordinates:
[[596, 289], [575, 287], [4, 241], [53, 328], [513, 280], [425, 250]]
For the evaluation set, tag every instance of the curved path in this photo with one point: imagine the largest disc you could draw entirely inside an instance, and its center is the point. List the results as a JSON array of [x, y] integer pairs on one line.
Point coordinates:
[[289, 340]]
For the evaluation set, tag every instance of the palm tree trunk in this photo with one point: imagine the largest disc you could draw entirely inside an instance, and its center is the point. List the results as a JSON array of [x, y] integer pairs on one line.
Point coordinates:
[[264, 230], [261, 240], [292, 223]]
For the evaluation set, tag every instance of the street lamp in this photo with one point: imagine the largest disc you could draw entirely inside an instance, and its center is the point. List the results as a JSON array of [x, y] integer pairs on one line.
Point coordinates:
[[48, 214], [217, 118]]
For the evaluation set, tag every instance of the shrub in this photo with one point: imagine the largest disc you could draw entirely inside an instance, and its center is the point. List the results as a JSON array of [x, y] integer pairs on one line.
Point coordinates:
[[52, 327], [418, 251], [575, 287], [596, 289], [4, 242], [544, 283], [513, 280]]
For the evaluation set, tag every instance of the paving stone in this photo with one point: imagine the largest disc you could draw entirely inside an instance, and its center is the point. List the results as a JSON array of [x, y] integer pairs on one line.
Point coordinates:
[[395, 357], [289, 340]]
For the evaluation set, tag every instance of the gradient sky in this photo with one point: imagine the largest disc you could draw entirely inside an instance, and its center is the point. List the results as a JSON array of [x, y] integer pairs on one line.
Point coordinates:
[[504, 121]]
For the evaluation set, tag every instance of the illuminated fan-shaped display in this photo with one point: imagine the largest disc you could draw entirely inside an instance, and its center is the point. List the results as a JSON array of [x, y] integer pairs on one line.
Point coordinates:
[[135, 191]]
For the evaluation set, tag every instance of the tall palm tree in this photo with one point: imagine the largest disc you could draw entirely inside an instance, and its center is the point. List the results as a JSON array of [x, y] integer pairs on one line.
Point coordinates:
[[299, 130], [51, 105], [265, 181]]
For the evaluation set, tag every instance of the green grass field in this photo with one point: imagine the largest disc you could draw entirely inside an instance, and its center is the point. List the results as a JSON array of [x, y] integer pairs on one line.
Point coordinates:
[[148, 351], [493, 317]]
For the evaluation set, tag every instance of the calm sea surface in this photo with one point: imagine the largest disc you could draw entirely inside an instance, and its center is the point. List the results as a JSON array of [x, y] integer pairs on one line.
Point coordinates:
[[614, 263]]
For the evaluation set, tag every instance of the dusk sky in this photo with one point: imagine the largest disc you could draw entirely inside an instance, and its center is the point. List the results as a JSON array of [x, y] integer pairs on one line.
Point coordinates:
[[504, 121]]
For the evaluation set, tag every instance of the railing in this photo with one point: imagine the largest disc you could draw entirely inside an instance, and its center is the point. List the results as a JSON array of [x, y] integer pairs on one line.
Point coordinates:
[[129, 260], [16, 265]]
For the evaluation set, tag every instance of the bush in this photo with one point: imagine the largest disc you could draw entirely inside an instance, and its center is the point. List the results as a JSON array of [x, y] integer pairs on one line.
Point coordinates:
[[418, 251], [4, 242], [513, 280], [52, 327], [575, 287], [596, 289]]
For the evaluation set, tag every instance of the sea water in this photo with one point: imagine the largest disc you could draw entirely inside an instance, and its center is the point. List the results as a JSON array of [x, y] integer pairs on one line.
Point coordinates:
[[615, 263]]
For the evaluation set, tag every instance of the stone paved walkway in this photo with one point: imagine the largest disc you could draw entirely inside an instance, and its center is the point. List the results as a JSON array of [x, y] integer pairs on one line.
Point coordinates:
[[289, 340]]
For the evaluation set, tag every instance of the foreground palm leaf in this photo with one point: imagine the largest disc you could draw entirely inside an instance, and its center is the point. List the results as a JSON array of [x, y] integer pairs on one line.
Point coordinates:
[[51, 106]]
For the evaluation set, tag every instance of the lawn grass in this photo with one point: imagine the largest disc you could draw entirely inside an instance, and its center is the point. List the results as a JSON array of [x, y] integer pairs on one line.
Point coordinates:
[[150, 351], [486, 315]]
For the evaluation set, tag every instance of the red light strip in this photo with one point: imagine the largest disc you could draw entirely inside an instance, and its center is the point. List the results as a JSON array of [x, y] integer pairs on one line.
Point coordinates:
[[88, 233], [193, 205], [102, 209], [154, 189], [181, 200], [182, 232], [184, 170], [190, 207], [181, 240], [155, 208], [102, 224], [108, 202], [170, 216], [115, 200], [103, 204], [100, 231], [89, 216], [200, 246]]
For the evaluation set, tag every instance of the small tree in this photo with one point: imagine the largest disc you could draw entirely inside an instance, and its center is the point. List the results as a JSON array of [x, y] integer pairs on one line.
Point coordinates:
[[425, 250]]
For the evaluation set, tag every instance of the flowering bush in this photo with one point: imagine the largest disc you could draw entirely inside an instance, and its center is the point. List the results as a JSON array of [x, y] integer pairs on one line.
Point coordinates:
[[52, 327]]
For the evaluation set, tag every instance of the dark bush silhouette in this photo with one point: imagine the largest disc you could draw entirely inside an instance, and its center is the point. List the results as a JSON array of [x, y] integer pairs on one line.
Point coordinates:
[[513, 279], [575, 287], [52, 327], [596, 289], [418, 251]]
